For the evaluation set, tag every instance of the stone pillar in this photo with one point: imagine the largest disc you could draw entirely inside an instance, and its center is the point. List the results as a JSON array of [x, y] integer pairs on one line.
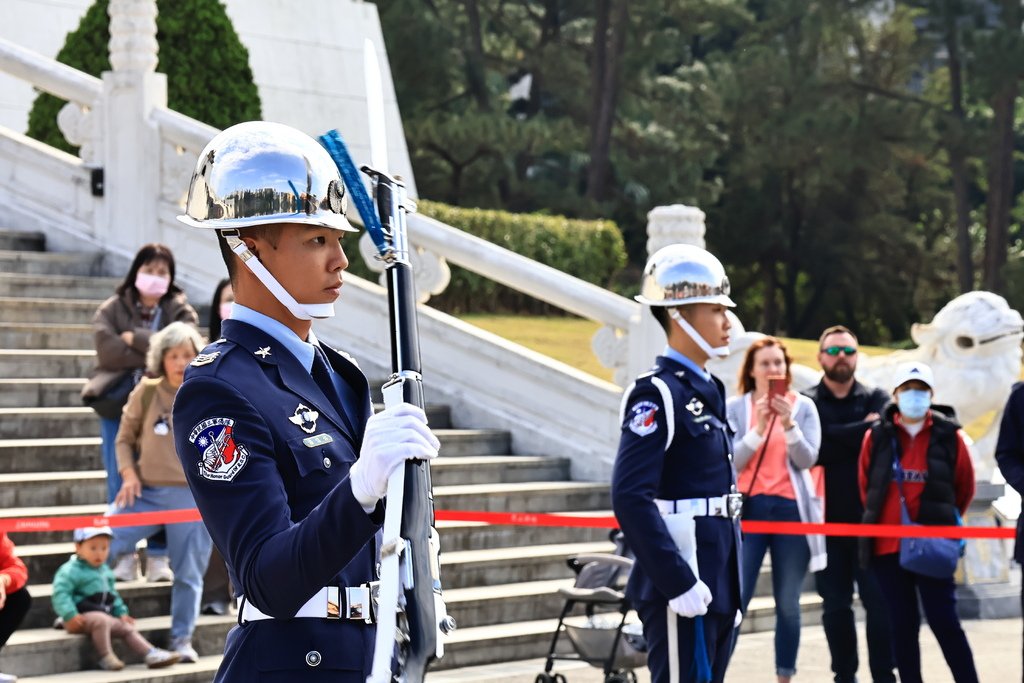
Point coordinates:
[[675, 224], [130, 141]]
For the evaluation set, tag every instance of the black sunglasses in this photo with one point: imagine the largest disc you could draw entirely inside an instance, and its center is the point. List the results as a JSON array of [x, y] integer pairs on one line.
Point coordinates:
[[834, 350]]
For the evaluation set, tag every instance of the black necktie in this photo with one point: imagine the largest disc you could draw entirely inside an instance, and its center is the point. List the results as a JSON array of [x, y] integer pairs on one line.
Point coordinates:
[[322, 376]]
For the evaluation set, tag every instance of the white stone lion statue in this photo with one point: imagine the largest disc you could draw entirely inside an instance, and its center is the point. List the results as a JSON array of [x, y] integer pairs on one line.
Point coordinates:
[[973, 346]]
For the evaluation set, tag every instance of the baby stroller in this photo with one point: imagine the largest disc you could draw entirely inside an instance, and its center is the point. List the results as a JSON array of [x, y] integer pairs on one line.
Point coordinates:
[[604, 639]]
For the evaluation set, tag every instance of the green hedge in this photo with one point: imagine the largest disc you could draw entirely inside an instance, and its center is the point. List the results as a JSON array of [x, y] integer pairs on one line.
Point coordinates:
[[207, 67], [590, 250]]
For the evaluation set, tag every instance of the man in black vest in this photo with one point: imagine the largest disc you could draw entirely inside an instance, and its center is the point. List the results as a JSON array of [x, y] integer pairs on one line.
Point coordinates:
[[846, 409], [915, 459]]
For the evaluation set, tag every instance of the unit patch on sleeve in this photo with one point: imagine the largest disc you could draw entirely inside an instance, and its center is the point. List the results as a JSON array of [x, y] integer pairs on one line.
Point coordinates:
[[221, 457], [641, 418]]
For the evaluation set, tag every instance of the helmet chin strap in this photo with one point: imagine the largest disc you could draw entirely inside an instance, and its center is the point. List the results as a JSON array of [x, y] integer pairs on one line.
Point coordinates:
[[252, 262], [692, 333]]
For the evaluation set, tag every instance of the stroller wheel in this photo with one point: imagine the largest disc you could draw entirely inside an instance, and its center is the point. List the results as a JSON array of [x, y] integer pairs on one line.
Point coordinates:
[[620, 677], [544, 678], [559, 678]]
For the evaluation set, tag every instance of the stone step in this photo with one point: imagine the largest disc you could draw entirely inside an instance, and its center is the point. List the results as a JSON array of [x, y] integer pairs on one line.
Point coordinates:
[[17, 240], [541, 496], [491, 567], [48, 310], [36, 363], [82, 487], [40, 393], [51, 263], [57, 286], [45, 336], [70, 421], [61, 454], [495, 604], [480, 536], [54, 455], [202, 671], [48, 651]]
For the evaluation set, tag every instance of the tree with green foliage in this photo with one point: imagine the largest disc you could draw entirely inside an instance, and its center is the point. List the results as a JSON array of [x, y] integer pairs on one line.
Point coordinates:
[[207, 67]]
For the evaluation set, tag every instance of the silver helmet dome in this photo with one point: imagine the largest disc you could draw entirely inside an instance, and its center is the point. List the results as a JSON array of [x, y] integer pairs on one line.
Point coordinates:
[[257, 173], [684, 274]]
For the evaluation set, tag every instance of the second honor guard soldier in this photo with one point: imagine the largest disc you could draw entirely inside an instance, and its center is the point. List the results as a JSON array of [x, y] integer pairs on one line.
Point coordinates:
[[274, 428], [673, 485]]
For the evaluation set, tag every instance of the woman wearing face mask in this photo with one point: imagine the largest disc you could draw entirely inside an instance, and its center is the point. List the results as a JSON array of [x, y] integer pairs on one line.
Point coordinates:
[[220, 307], [145, 302], [918, 454]]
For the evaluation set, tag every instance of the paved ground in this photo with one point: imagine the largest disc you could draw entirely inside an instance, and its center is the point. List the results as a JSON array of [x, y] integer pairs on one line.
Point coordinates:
[[996, 644]]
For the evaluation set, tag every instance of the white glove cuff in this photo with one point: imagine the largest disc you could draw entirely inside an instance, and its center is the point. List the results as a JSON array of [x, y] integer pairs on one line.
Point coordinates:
[[363, 494]]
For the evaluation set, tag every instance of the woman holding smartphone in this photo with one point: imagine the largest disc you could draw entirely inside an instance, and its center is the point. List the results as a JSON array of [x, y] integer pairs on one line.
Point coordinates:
[[777, 435]]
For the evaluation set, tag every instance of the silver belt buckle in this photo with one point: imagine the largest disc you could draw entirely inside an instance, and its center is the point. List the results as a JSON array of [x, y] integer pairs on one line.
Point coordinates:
[[735, 504], [716, 507], [357, 603]]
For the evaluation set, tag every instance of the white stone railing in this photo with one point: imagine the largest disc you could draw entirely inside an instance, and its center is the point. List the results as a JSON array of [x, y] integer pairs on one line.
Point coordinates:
[[147, 153]]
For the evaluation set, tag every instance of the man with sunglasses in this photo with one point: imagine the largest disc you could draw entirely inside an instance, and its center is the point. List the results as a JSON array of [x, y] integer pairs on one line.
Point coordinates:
[[846, 409]]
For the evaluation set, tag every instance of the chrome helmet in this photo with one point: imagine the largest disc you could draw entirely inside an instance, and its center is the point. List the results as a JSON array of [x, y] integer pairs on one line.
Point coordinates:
[[256, 173], [684, 274]]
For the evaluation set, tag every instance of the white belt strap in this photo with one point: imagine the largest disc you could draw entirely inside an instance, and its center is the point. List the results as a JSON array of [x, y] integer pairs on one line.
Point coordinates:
[[698, 507], [330, 602]]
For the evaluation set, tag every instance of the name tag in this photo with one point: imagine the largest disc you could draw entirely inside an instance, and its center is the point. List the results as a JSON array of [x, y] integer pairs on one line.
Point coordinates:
[[318, 440]]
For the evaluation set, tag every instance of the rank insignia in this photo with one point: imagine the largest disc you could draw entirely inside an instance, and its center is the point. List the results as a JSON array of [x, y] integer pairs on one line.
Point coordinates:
[[305, 418], [204, 359], [695, 406], [641, 418], [263, 352], [222, 458]]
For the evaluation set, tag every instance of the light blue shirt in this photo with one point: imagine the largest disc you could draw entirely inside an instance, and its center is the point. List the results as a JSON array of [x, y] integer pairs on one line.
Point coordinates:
[[669, 352], [302, 350]]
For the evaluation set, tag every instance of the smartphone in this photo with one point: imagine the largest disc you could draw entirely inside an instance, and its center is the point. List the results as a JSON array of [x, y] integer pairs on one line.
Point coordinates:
[[776, 386]]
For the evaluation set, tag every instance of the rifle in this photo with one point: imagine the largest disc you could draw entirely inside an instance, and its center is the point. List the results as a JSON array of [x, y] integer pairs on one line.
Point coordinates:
[[411, 612]]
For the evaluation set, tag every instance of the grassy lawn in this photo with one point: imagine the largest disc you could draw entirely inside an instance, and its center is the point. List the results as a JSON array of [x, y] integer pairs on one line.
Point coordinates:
[[568, 340]]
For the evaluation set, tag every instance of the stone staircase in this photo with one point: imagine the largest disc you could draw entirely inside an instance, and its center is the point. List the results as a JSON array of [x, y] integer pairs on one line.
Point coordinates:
[[500, 582]]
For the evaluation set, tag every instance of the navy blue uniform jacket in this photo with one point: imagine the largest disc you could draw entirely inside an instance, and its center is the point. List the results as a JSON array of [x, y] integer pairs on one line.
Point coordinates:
[[1010, 454], [696, 464], [274, 493]]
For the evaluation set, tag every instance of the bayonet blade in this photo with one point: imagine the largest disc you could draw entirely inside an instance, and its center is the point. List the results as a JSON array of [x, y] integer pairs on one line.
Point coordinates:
[[375, 108]]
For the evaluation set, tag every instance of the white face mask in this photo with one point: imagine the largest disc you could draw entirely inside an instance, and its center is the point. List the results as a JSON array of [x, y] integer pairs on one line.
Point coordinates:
[[913, 403], [152, 285], [692, 333], [225, 310]]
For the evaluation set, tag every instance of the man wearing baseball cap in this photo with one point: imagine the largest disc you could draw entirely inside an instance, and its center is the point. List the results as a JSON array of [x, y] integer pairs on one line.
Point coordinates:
[[916, 456]]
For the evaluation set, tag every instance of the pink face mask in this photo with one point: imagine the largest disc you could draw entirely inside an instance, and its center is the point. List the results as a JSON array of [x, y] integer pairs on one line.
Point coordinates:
[[225, 310], [152, 285]]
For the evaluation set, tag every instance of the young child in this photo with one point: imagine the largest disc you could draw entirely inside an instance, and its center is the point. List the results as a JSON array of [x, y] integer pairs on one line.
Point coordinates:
[[85, 599]]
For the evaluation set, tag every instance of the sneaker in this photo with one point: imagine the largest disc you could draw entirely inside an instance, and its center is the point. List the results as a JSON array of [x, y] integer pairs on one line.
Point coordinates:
[[218, 607], [158, 568], [110, 662], [127, 568], [7, 678], [158, 659], [186, 653]]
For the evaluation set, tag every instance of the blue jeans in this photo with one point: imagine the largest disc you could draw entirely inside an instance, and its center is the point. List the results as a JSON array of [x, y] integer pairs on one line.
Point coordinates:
[[938, 597], [790, 556], [835, 586], [189, 544], [108, 433]]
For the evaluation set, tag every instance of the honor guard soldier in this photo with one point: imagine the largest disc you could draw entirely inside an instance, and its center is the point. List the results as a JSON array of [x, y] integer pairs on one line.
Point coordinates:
[[274, 428], [673, 485]]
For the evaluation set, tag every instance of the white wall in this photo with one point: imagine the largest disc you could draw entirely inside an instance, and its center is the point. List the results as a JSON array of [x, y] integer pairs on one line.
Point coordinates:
[[306, 57]]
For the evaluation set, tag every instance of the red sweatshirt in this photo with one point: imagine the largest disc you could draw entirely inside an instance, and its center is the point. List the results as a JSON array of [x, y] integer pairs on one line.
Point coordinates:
[[915, 467], [12, 565]]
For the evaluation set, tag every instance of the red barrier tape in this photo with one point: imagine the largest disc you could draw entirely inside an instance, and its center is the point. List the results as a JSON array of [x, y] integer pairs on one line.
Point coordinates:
[[29, 524]]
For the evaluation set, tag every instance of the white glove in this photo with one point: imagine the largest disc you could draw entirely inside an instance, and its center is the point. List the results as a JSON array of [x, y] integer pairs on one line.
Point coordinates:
[[692, 603], [738, 620], [392, 436]]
